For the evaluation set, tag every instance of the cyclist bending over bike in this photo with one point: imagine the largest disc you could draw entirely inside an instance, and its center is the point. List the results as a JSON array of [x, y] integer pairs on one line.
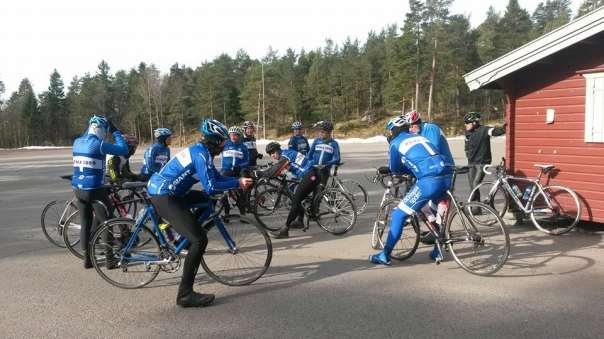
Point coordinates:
[[172, 196], [324, 150], [300, 167], [89, 153], [119, 166], [410, 153]]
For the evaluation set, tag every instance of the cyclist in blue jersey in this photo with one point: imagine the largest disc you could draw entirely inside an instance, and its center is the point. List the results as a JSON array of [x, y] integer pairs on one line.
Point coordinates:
[[410, 153], [434, 209], [158, 154], [325, 150], [301, 167], [89, 155], [172, 196], [298, 141], [235, 155]]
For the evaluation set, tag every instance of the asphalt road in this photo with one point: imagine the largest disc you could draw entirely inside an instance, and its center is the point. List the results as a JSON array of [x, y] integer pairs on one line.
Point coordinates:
[[318, 286]]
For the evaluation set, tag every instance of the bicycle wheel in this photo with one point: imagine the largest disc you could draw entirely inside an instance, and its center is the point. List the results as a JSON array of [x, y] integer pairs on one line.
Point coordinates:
[[335, 211], [71, 234], [129, 268], [54, 215], [498, 200], [555, 210], [477, 238], [272, 207], [357, 192], [406, 246], [239, 251], [127, 203]]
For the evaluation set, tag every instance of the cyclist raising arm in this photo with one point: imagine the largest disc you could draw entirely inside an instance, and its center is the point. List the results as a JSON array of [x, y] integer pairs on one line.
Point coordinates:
[[89, 154], [171, 194], [415, 154]]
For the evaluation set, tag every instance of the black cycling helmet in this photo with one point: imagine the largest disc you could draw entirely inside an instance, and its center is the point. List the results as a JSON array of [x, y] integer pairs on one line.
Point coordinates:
[[325, 126], [272, 147], [471, 117]]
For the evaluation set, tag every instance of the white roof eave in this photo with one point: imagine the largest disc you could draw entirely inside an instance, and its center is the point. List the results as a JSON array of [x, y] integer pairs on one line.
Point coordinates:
[[540, 48]]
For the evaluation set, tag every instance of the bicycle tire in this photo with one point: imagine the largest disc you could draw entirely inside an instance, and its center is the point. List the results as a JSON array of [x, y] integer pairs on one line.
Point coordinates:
[[476, 226], [272, 207], [148, 246], [51, 223], [358, 193], [408, 243], [500, 201], [71, 235], [333, 203], [251, 241], [555, 224]]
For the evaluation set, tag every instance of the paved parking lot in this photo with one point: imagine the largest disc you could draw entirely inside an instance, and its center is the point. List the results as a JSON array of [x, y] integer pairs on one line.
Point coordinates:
[[318, 286]]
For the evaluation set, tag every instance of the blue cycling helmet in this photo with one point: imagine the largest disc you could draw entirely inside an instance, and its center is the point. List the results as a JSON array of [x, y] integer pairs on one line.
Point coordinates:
[[213, 130], [297, 125], [396, 122], [99, 120], [162, 132]]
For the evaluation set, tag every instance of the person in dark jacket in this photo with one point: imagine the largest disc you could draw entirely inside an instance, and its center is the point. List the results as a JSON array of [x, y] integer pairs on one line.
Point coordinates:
[[249, 140], [478, 147]]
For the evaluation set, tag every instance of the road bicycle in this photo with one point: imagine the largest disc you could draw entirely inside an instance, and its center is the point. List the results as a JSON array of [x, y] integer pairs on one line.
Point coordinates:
[[352, 187], [331, 208], [67, 225], [554, 209], [473, 233], [131, 253]]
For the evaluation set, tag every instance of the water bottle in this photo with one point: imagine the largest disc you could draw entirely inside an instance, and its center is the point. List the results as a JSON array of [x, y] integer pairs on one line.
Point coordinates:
[[527, 192], [516, 190]]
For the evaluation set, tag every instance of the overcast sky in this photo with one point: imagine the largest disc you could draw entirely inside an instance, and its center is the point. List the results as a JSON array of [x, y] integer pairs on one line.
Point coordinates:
[[73, 36]]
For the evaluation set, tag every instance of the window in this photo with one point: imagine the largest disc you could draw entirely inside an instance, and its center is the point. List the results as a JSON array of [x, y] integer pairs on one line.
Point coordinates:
[[594, 108]]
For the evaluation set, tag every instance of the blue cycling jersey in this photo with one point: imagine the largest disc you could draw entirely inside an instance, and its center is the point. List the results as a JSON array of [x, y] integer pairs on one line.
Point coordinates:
[[325, 152], [416, 154], [89, 155], [436, 136], [298, 143], [234, 155], [298, 163], [191, 165], [156, 156]]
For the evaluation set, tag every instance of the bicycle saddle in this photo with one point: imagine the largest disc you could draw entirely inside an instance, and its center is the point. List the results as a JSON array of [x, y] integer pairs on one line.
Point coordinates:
[[134, 184], [545, 168]]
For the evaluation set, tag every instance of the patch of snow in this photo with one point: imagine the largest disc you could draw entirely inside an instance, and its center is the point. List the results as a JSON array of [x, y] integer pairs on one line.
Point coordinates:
[[45, 147]]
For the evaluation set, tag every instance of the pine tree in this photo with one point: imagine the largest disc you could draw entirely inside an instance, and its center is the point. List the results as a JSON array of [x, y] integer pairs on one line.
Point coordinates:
[[588, 6], [488, 44], [515, 27]]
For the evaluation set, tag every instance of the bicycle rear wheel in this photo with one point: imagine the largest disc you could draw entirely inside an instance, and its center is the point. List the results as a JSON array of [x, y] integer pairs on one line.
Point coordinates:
[[272, 207], [556, 210], [335, 211], [477, 238], [498, 200], [357, 192], [123, 267], [239, 251], [54, 215], [406, 246], [71, 234]]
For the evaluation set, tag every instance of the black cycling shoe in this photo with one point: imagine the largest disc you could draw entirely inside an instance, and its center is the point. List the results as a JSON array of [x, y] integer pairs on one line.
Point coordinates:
[[195, 299], [283, 232], [87, 263], [427, 238]]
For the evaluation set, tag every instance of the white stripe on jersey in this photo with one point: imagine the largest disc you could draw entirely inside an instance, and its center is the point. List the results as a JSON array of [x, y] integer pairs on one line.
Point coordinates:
[[87, 162], [184, 157], [407, 144]]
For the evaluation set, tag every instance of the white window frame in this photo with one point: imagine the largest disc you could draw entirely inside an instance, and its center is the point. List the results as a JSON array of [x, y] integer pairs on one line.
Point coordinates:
[[594, 107]]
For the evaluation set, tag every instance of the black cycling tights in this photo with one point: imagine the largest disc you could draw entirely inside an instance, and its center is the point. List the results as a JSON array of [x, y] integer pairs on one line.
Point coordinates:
[[85, 202], [176, 211], [309, 183]]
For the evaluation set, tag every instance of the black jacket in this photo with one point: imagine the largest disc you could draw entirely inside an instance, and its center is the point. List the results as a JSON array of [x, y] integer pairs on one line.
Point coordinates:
[[250, 143], [478, 144]]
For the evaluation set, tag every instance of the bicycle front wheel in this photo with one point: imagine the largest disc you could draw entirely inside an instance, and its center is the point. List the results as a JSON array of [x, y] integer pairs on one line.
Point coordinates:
[[406, 246], [555, 210], [335, 211], [497, 199], [54, 215], [71, 234], [272, 207], [477, 238], [357, 192], [239, 251], [122, 266]]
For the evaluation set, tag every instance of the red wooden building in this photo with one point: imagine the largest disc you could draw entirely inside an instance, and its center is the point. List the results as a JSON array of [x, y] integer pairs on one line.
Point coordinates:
[[554, 87]]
